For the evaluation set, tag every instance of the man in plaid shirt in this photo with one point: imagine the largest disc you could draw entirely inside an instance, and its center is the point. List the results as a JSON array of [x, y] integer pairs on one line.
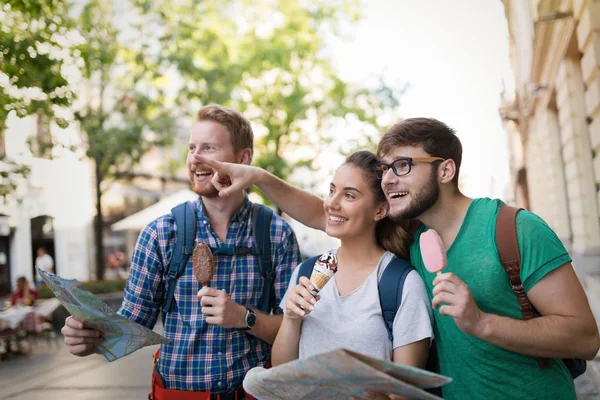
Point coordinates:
[[216, 331]]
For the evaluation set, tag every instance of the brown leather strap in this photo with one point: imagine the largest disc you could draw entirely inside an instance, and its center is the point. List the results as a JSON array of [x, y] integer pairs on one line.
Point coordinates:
[[510, 257]]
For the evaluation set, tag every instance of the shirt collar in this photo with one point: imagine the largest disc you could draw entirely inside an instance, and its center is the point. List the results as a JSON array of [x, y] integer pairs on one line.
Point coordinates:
[[240, 215]]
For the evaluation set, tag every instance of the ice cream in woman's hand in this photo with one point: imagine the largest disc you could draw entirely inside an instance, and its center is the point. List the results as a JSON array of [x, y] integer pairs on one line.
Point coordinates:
[[203, 263], [323, 271], [433, 251]]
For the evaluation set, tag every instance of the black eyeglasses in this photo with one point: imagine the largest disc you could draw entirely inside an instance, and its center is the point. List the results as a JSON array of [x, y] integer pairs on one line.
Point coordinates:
[[402, 166]]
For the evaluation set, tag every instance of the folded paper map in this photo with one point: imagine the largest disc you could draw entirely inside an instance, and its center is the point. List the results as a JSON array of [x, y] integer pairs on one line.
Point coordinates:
[[339, 374], [121, 336]]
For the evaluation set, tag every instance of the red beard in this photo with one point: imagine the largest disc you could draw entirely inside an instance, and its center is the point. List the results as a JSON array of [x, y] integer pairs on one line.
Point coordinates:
[[204, 189]]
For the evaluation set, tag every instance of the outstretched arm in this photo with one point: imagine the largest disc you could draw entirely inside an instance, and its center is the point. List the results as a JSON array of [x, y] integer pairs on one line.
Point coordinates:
[[297, 203]]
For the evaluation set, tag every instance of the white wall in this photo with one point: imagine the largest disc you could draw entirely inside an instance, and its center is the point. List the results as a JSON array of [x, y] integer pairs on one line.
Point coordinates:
[[60, 188]]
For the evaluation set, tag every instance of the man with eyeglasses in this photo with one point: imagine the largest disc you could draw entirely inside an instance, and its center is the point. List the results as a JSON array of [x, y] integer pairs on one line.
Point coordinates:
[[482, 340]]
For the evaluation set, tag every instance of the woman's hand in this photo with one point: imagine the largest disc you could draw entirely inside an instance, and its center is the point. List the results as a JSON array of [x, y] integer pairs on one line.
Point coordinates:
[[230, 178], [300, 301]]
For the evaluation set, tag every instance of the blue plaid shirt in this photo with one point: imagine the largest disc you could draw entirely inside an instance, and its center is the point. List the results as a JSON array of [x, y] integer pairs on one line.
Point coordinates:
[[203, 357]]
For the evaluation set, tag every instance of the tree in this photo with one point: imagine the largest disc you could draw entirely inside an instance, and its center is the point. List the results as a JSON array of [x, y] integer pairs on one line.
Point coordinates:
[[269, 60], [36, 40], [124, 112]]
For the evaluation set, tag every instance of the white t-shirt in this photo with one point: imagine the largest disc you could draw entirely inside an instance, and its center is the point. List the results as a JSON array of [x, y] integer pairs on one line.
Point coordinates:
[[45, 263], [355, 321]]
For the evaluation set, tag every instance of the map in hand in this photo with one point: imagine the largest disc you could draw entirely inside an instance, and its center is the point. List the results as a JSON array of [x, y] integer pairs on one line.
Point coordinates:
[[340, 374], [121, 336]]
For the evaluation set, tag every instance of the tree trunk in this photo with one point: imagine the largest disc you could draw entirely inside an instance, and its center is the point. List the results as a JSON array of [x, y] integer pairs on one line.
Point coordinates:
[[99, 223], [2, 139]]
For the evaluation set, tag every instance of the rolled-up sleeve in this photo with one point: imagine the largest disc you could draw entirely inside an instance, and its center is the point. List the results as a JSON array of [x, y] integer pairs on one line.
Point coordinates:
[[144, 289], [287, 257]]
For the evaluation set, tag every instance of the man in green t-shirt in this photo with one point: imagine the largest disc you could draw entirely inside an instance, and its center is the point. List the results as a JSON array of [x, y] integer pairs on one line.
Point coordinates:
[[482, 340]]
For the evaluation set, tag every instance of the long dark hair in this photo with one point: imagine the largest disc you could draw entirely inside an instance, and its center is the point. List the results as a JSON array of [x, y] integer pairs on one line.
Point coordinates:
[[389, 234]]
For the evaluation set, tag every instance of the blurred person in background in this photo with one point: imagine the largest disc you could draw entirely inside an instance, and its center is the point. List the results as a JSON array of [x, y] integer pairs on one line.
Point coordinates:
[[44, 262], [24, 294]]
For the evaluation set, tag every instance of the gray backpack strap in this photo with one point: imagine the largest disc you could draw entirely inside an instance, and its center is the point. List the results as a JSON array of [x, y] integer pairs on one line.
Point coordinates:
[[261, 230], [185, 222]]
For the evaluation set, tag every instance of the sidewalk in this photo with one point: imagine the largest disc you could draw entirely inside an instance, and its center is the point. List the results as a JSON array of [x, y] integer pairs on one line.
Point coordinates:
[[52, 373]]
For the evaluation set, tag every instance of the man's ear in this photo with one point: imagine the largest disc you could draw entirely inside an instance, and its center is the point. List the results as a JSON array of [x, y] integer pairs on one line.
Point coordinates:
[[245, 156], [382, 211], [447, 171]]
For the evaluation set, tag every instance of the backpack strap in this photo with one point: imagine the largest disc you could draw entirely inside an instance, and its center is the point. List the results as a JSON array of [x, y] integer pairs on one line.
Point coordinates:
[[306, 268], [234, 251], [391, 285], [510, 257], [261, 229], [185, 223]]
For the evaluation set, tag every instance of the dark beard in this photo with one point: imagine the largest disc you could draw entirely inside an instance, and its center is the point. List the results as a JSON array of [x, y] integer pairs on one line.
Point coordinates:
[[422, 202]]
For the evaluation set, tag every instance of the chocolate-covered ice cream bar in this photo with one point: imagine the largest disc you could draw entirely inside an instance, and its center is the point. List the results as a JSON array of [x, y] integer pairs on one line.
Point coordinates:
[[203, 263]]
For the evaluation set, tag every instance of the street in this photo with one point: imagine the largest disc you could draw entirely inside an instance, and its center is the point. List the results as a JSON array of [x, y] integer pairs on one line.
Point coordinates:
[[53, 374]]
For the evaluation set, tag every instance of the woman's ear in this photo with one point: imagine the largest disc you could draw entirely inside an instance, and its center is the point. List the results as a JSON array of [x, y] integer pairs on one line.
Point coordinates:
[[382, 211]]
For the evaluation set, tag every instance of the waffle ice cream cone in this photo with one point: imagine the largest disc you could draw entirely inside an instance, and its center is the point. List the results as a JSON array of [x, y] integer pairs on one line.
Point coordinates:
[[325, 268], [319, 280]]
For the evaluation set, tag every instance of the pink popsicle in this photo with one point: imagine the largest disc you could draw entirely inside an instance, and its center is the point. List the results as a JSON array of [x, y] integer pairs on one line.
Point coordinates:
[[433, 251]]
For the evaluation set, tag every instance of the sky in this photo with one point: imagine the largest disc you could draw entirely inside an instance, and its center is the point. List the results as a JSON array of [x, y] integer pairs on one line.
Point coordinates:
[[455, 57]]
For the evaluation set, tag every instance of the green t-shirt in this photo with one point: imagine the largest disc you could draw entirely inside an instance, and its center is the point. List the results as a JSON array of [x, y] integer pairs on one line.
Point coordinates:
[[479, 369]]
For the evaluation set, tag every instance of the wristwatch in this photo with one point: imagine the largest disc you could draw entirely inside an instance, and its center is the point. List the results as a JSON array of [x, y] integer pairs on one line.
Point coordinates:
[[249, 319]]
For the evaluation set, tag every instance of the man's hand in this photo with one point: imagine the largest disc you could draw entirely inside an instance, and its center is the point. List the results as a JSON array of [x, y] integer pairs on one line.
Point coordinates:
[[460, 305], [220, 309], [230, 178], [79, 340]]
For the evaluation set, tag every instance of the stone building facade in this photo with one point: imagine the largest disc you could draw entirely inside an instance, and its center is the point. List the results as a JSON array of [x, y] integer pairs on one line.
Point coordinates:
[[553, 121]]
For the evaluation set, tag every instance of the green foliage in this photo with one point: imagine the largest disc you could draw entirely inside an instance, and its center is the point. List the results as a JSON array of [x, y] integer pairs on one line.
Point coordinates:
[[126, 112], [269, 60], [34, 48], [130, 116], [97, 287]]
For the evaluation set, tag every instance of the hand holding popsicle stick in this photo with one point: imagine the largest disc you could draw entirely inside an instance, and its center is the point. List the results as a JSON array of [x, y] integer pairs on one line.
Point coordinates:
[[450, 293], [433, 252]]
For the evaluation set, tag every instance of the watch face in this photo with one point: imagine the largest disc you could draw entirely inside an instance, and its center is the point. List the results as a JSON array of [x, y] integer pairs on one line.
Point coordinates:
[[251, 319]]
